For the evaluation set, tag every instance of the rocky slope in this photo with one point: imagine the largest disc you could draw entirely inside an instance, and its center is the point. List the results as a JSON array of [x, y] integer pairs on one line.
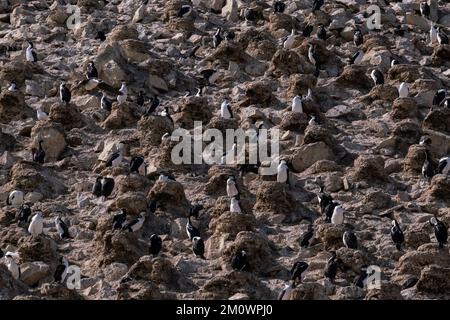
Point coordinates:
[[365, 149]]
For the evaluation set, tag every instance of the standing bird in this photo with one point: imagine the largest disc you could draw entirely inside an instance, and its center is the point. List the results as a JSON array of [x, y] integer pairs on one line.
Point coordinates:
[[356, 58], [154, 103], [198, 246], [428, 168], [123, 93], [39, 154], [225, 109], [62, 228], [155, 245], [443, 165], [440, 231], [397, 234], [394, 62], [439, 96], [116, 158], [324, 199], [166, 114], [105, 103], [61, 270], [191, 231], [425, 10], [138, 166], [279, 7], [358, 38], [361, 281], [194, 211], [12, 86], [283, 172], [307, 30], [377, 77], [306, 237], [338, 215], [403, 90], [30, 54], [15, 198], [41, 115], [217, 38], [289, 41], [101, 36], [441, 36], [331, 267], [140, 100], [24, 213], [239, 261], [232, 188], [64, 93], [91, 71], [322, 32], [37, 224], [12, 266], [329, 210], [184, 11], [312, 55], [350, 240], [285, 294], [433, 34], [135, 224], [119, 219], [235, 205], [317, 4], [425, 141], [297, 271], [103, 187], [297, 105]]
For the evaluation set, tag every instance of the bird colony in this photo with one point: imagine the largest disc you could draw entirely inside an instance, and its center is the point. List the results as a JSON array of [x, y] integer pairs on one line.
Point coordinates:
[[92, 205]]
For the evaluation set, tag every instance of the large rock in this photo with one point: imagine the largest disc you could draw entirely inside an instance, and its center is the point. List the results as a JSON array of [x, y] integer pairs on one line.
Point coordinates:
[[170, 194], [54, 139], [306, 155], [33, 272], [66, 114], [404, 108], [438, 120], [12, 106], [369, 168], [434, 279], [414, 159]]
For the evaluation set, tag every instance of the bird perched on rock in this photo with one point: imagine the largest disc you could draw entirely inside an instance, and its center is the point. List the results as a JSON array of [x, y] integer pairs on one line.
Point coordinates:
[[155, 245], [116, 157], [403, 90], [62, 228], [358, 38], [64, 93], [105, 103], [443, 166], [185, 11], [217, 38], [317, 4], [331, 267], [306, 237], [377, 77], [442, 38], [119, 219], [61, 270], [37, 224], [103, 187], [191, 231], [138, 165], [15, 198], [425, 10], [349, 239], [356, 58], [239, 261], [225, 109], [24, 213], [397, 234], [30, 54], [439, 96], [279, 6], [324, 199], [440, 231], [428, 168], [135, 224], [39, 154], [321, 32], [297, 271], [198, 247], [123, 93], [91, 71], [289, 41]]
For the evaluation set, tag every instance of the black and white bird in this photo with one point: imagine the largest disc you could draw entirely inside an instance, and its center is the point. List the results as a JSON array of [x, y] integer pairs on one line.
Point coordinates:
[[119, 219], [166, 113], [138, 165], [446, 103], [425, 141], [64, 93], [232, 188], [312, 55], [229, 35], [235, 205], [24, 213], [39, 154], [397, 234], [36, 226], [217, 38], [15, 198], [62, 228], [428, 168], [358, 38], [356, 58], [250, 15], [30, 54], [377, 77], [40, 114], [443, 165], [135, 224], [91, 71], [123, 93], [154, 103], [329, 209], [349, 239], [61, 270], [440, 231], [394, 62], [279, 6], [433, 33], [289, 41], [307, 30], [321, 32], [283, 172], [403, 90], [317, 4], [324, 199], [12, 266], [297, 104], [361, 281], [103, 187], [442, 38], [191, 231], [155, 245], [297, 271], [239, 261], [225, 109], [116, 157], [439, 96], [285, 294], [198, 246], [338, 215], [12, 86], [194, 211], [425, 9], [307, 236], [105, 102], [184, 11], [331, 267], [101, 36]]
